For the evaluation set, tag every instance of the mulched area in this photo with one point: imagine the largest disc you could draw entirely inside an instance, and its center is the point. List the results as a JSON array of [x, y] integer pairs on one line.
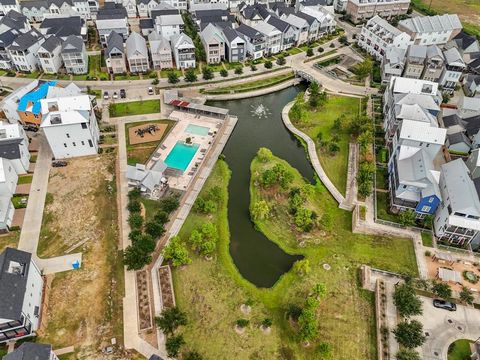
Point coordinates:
[[140, 134]]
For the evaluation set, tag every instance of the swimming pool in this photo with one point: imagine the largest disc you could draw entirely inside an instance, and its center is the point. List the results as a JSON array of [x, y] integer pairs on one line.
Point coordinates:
[[181, 155], [197, 129]]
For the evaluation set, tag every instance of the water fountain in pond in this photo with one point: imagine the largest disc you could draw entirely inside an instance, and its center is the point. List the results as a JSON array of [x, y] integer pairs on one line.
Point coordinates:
[[260, 111]]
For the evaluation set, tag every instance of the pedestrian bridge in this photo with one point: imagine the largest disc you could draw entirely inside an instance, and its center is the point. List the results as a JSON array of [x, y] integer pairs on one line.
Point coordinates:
[[306, 76]]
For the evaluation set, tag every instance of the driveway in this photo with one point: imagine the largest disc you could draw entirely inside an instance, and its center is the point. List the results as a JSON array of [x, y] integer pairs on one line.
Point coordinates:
[[443, 327]]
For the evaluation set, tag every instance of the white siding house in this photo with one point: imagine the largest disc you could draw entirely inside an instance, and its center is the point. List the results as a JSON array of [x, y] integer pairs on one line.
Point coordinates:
[[49, 55]]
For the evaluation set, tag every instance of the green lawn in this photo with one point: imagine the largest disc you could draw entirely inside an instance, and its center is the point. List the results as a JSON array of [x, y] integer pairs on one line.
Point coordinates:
[[459, 350], [320, 120], [25, 179], [383, 208], [134, 108], [151, 207], [233, 65], [140, 153], [9, 240], [20, 201], [382, 178], [252, 85], [211, 292], [164, 73], [427, 239], [127, 76]]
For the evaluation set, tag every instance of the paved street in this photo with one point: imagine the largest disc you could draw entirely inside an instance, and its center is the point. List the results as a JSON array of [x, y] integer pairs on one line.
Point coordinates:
[[444, 327], [32, 223]]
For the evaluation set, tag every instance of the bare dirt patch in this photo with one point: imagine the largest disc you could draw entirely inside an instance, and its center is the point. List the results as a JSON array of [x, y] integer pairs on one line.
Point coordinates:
[[146, 133], [81, 214]]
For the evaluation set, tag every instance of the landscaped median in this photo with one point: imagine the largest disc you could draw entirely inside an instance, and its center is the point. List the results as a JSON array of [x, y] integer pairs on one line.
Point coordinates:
[[251, 85], [134, 108]]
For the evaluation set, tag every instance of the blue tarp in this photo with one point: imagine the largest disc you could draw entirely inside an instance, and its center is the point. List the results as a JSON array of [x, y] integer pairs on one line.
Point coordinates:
[[76, 264], [34, 97]]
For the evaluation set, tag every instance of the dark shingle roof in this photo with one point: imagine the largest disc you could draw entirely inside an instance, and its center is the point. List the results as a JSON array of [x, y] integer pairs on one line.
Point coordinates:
[[52, 43], [146, 24], [231, 34], [248, 31], [8, 2], [34, 4], [464, 40], [220, 24], [25, 41], [63, 26], [452, 120], [278, 23], [30, 351], [156, 13], [14, 20], [472, 125], [114, 41], [111, 11], [7, 38], [458, 138], [155, 357], [315, 2], [72, 44], [308, 18], [251, 11], [13, 285], [59, 3]]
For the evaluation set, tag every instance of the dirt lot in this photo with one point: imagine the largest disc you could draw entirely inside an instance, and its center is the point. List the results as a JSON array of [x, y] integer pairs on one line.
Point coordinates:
[[84, 308], [467, 10]]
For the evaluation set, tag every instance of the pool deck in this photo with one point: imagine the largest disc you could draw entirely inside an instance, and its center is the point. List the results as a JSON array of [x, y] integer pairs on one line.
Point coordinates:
[[178, 134]]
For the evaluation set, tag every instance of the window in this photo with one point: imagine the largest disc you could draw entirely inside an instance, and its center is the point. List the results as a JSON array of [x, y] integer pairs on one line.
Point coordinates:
[[84, 125], [73, 143], [420, 144], [65, 144], [83, 142], [430, 200], [68, 135], [426, 208], [90, 143]]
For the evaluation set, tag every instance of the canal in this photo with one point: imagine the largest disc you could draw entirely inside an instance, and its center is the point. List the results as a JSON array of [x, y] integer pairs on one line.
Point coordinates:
[[258, 259]]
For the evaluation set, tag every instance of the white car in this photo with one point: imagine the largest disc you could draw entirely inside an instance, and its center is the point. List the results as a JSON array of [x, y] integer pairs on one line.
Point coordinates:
[[105, 95], [150, 90], [115, 95]]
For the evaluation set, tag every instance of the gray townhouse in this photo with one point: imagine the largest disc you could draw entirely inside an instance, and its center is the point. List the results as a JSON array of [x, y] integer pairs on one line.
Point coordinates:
[[393, 63], [288, 31], [74, 55], [49, 55], [35, 10], [112, 17], [115, 54], [183, 51], [23, 50], [434, 64], [7, 5], [32, 351], [415, 61], [14, 21], [161, 52], [235, 45], [137, 53], [255, 41], [6, 39], [213, 43]]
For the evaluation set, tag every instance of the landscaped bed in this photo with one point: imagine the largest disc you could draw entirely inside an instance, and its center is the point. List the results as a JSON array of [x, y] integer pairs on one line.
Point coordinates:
[[140, 152], [134, 108], [212, 292], [252, 85]]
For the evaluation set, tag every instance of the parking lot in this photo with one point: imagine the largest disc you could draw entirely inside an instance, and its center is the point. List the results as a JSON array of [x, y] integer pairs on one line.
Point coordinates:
[[442, 327]]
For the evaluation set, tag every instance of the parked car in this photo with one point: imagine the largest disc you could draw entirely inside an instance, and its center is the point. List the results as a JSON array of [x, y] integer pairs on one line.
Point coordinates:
[[59, 163], [123, 93], [115, 95], [105, 95], [30, 128], [150, 90], [446, 305]]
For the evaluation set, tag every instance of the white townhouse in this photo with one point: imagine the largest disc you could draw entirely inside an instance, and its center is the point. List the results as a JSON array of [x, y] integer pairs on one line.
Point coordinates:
[[161, 52], [74, 55], [8, 184], [49, 55], [115, 54], [169, 25], [326, 20], [273, 37], [7, 5], [313, 25], [213, 43], [300, 25], [35, 10], [177, 4], [137, 53], [183, 51], [30, 350], [21, 286], [6, 39], [377, 34], [255, 41], [393, 63], [429, 30], [23, 50], [83, 8], [287, 30], [145, 7], [452, 71], [14, 146], [131, 7], [112, 17], [70, 125]]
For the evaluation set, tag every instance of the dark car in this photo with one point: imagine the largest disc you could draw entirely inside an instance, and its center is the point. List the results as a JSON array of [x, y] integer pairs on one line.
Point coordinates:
[[30, 128], [59, 163], [446, 305], [123, 94]]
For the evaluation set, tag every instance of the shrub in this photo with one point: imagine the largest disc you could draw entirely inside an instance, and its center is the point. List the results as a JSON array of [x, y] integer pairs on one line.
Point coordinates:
[[172, 77], [134, 206], [135, 220], [190, 75], [321, 49], [268, 64], [267, 322], [169, 204], [309, 52], [281, 60], [173, 345], [207, 73], [253, 67], [176, 252], [238, 70], [242, 323], [223, 73]]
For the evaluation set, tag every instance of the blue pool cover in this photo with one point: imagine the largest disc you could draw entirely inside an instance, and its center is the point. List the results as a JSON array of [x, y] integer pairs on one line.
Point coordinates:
[[181, 155], [34, 97]]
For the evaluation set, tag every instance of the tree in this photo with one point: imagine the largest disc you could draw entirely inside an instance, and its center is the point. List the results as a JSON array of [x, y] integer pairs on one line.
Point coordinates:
[[170, 319], [260, 210], [343, 40], [442, 290], [239, 70], [268, 64], [410, 334], [308, 324], [223, 73], [192, 355], [294, 312], [283, 175], [145, 243], [173, 345], [309, 52], [466, 296], [363, 69], [319, 290], [242, 323], [134, 194], [281, 60], [190, 75], [304, 218], [161, 217], [264, 154], [135, 220], [302, 267], [173, 77], [321, 49], [134, 258], [407, 302], [154, 229], [169, 204], [134, 206], [314, 88], [364, 140], [407, 354], [207, 73], [333, 147], [176, 252]]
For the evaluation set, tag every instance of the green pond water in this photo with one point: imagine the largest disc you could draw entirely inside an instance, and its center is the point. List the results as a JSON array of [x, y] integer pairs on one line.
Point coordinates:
[[258, 259]]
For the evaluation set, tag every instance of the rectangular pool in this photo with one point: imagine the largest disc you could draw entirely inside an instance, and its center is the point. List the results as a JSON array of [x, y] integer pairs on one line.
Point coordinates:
[[181, 155], [197, 129]]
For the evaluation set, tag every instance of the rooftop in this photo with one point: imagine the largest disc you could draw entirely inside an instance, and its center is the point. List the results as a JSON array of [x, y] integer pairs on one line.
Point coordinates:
[[31, 101]]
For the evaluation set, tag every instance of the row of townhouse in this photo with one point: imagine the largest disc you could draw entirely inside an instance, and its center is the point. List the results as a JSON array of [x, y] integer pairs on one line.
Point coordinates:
[[39, 10], [420, 48], [416, 132], [362, 10]]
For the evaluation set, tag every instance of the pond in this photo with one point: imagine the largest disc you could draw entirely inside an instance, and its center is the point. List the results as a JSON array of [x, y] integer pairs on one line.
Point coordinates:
[[258, 259]]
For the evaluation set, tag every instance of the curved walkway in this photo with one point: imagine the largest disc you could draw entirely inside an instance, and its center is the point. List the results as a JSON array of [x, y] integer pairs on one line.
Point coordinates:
[[312, 153]]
